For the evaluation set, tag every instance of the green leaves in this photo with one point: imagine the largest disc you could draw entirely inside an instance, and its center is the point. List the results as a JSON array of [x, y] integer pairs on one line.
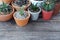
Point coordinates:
[[48, 5], [21, 11], [5, 8], [4, 5], [34, 7]]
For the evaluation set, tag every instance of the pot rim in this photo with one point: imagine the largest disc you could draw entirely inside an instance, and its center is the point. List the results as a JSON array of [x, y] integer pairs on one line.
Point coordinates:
[[20, 6], [47, 11], [21, 19], [35, 12], [9, 13]]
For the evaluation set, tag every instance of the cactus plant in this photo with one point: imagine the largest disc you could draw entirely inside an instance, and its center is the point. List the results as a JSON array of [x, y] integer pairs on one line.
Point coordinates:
[[22, 13], [48, 5], [6, 12], [21, 17], [5, 8], [34, 8], [34, 11]]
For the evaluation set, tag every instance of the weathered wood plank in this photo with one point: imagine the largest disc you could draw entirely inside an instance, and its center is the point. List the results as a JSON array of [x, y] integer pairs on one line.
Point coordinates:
[[38, 30]]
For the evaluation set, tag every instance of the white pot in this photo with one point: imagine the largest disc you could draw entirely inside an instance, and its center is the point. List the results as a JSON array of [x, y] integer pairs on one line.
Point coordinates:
[[34, 2], [34, 15]]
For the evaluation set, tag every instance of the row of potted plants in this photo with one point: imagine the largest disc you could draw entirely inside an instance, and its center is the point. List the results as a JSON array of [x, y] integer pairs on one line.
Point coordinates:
[[57, 5], [22, 10]]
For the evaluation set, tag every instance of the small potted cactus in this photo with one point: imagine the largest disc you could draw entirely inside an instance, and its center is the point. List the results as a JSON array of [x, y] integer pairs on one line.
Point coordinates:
[[6, 12], [19, 3], [34, 11], [21, 17], [47, 9]]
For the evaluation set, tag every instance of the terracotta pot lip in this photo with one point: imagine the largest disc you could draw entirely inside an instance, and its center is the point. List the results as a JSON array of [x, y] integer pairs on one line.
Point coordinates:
[[24, 18], [10, 13], [14, 6]]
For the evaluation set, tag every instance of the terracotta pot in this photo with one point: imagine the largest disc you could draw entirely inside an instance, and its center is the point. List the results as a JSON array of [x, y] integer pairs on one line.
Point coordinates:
[[47, 14], [22, 22], [57, 8], [6, 17], [6, 1], [18, 7]]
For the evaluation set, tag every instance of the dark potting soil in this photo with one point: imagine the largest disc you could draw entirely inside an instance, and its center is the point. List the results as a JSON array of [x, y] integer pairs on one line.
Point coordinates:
[[21, 2]]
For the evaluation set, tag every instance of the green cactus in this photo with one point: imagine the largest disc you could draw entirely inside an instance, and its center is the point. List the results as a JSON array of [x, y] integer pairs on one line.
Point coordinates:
[[34, 7], [5, 8], [48, 5], [21, 11]]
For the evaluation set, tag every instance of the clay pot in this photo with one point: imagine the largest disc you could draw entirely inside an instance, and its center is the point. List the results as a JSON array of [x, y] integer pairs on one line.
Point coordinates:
[[18, 7], [22, 22], [47, 14], [6, 1], [6, 17], [57, 8]]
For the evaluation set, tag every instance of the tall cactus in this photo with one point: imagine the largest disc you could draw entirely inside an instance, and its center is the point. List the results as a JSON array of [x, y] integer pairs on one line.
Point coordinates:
[[48, 5]]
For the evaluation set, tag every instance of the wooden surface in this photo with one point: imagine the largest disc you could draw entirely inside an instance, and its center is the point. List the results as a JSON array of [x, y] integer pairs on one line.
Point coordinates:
[[38, 30]]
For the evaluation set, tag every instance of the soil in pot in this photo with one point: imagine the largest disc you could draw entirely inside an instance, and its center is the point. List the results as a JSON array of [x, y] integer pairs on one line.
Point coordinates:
[[20, 2], [21, 20]]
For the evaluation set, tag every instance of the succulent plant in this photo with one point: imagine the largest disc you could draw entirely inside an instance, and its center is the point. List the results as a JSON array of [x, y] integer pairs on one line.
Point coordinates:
[[5, 8], [22, 12], [34, 8], [48, 5]]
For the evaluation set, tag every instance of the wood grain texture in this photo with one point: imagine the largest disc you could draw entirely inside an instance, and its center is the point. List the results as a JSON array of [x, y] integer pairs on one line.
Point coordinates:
[[38, 30]]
